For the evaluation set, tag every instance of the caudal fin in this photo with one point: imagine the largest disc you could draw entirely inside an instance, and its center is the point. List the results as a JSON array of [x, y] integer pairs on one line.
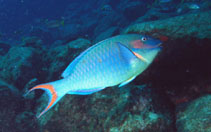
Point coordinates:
[[54, 96]]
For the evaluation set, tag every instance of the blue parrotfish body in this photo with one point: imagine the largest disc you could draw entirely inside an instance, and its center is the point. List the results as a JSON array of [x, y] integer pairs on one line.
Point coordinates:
[[114, 61]]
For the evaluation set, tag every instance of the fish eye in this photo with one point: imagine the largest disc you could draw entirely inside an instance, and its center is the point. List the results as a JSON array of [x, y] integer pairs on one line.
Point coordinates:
[[143, 39]]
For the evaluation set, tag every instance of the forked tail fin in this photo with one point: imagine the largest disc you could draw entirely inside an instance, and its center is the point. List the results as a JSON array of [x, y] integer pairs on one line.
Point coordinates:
[[54, 95]]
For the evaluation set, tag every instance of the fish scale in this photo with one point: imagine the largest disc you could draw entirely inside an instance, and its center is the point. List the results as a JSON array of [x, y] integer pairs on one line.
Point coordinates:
[[114, 61], [110, 61], [99, 66], [95, 55]]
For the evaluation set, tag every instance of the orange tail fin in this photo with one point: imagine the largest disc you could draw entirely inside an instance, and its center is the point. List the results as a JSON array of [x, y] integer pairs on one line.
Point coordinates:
[[54, 98]]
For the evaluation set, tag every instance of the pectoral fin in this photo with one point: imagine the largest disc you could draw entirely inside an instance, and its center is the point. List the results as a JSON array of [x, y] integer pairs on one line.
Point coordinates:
[[86, 91], [125, 52], [140, 57], [128, 54]]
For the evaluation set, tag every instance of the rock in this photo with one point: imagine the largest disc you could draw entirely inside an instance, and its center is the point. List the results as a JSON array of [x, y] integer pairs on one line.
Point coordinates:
[[195, 116], [79, 43], [19, 66], [196, 25], [152, 15], [206, 5], [4, 48], [107, 34], [135, 123], [5, 86], [61, 56], [24, 118], [44, 34], [130, 108], [14, 114], [106, 8], [32, 41], [57, 58], [7, 111], [133, 10], [107, 21], [57, 43], [70, 31]]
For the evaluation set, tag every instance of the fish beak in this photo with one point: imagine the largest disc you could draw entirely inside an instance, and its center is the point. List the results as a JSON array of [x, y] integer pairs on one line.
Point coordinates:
[[140, 57]]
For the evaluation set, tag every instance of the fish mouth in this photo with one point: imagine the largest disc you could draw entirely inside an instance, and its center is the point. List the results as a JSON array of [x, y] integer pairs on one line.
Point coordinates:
[[156, 46]]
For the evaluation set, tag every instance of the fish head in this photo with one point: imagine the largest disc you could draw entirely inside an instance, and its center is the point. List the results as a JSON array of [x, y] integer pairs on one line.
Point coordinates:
[[145, 47], [145, 42]]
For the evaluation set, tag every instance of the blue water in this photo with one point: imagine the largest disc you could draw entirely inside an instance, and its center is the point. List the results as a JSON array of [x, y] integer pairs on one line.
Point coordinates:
[[35, 47], [18, 17]]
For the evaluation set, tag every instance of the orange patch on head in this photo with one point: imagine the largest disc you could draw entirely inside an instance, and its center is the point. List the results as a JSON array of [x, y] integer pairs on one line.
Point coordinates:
[[137, 44]]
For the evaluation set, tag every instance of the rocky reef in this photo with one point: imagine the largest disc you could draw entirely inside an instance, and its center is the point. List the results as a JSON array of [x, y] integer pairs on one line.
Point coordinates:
[[171, 95], [195, 117], [131, 108], [195, 25]]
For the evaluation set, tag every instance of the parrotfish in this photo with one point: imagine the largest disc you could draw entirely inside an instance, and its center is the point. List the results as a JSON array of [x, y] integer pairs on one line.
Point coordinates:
[[114, 61]]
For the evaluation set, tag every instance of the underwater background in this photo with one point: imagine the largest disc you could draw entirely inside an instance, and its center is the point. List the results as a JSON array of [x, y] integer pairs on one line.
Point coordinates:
[[39, 38]]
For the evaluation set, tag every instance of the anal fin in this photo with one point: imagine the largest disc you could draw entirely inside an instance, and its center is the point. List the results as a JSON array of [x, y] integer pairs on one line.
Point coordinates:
[[86, 91]]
